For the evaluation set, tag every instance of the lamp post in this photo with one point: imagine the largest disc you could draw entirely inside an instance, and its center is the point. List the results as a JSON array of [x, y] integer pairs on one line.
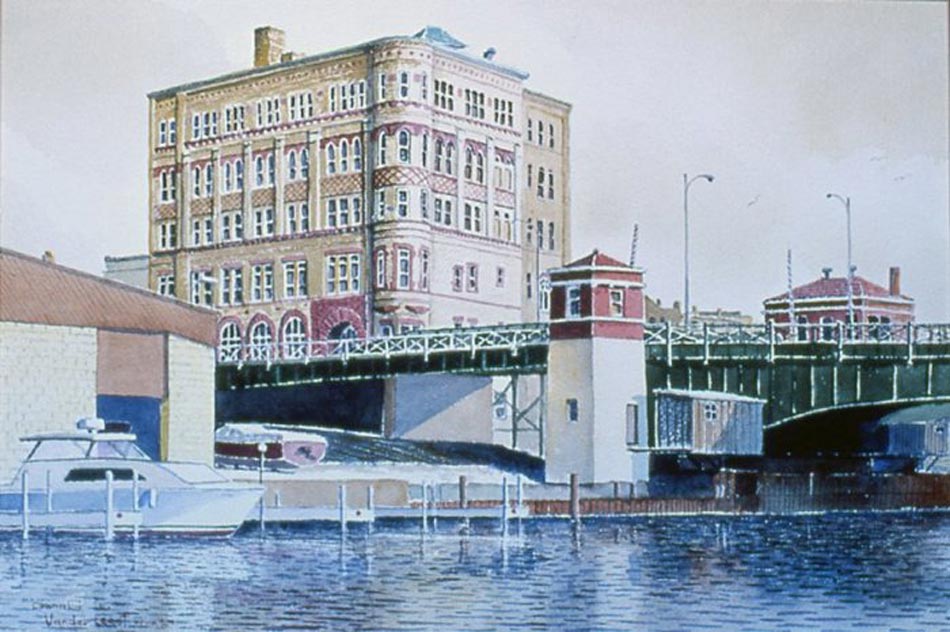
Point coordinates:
[[847, 209], [687, 181]]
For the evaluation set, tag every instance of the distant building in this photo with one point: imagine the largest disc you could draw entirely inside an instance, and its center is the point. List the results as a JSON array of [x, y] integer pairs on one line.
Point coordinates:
[[718, 316], [657, 314], [825, 302], [394, 184], [132, 270], [76, 345]]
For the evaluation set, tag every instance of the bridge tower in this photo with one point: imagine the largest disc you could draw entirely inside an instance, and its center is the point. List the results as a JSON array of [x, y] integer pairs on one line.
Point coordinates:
[[596, 372]]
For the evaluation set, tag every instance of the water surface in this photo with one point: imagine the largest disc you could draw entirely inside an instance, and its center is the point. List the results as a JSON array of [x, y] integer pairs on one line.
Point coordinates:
[[833, 572]]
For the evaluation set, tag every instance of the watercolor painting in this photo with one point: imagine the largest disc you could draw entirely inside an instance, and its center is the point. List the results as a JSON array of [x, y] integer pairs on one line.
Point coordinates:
[[498, 316]]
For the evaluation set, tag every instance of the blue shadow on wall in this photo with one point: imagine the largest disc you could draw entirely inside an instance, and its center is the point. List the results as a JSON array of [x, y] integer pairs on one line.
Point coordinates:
[[142, 413]]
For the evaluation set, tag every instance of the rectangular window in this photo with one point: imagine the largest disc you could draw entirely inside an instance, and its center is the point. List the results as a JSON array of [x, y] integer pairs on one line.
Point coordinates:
[[331, 220], [573, 307], [343, 274], [402, 202], [471, 277], [167, 235], [633, 429], [382, 87], [500, 277], [232, 286], [344, 208], [528, 287], [290, 214], [457, 278], [332, 98], [232, 226], [573, 413], [300, 105], [404, 85], [616, 303], [304, 209], [380, 268], [403, 263], [424, 203], [162, 133], [166, 285], [208, 230], [172, 133], [202, 288], [467, 217], [295, 279], [424, 272], [196, 232], [380, 204]]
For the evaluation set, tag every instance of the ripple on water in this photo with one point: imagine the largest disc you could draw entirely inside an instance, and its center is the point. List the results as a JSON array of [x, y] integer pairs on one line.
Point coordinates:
[[710, 573]]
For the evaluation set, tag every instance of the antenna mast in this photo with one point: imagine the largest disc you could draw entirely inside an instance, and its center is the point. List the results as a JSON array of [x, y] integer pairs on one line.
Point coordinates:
[[633, 245]]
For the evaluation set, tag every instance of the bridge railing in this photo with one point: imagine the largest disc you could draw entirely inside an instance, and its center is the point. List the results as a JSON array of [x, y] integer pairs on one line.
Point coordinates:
[[783, 340], [511, 338]]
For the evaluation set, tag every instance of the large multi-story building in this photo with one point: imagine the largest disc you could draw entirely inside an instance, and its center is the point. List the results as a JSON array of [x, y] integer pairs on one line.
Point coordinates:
[[395, 184]]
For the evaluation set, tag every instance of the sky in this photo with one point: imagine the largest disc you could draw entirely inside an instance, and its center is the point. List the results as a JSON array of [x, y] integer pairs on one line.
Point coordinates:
[[782, 102]]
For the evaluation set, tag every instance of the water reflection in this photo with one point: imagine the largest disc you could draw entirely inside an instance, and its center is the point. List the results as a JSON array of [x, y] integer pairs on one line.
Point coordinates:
[[819, 572]]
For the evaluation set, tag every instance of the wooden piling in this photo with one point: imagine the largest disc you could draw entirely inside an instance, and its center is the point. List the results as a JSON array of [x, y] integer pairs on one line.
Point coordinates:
[[575, 499], [110, 506], [25, 492]]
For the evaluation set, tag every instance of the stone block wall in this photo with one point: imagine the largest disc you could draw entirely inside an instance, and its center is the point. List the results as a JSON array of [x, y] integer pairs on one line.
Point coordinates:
[[47, 381], [189, 412]]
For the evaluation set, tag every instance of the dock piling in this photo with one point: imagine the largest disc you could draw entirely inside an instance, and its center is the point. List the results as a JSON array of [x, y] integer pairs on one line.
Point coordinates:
[[135, 503], [110, 506], [49, 492], [575, 499], [504, 507], [370, 506], [341, 501], [425, 517], [25, 491]]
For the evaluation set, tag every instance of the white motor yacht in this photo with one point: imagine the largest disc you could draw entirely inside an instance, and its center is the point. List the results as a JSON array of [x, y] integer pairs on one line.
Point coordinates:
[[93, 480]]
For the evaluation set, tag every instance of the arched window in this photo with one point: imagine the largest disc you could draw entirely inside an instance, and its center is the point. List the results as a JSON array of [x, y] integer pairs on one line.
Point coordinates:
[[449, 158], [228, 177], [304, 164], [295, 338], [439, 151], [480, 168], [270, 168], [468, 163], [331, 159], [540, 182], [382, 148], [405, 149], [357, 155], [343, 331], [239, 174], [259, 171], [229, 343], [292, 165], [344, 156], [261, 339]]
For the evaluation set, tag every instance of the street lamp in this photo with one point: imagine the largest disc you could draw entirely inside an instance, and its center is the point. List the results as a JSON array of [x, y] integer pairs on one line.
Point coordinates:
[[687, 181], [847, 209]]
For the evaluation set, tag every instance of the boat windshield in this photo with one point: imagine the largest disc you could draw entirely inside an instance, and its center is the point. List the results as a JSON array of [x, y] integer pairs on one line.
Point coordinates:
[[56, 449], [59, 449], [116, 450]]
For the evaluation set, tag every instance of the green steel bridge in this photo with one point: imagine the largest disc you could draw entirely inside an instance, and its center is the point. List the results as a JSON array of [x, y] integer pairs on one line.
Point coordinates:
[[804, 372]]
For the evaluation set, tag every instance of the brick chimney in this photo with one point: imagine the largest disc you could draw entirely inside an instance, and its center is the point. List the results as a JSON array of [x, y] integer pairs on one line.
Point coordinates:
[[895, 281], [268, 45]]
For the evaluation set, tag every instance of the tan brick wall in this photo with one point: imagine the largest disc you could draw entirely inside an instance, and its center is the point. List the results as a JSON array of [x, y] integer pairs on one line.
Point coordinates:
[[47, 381], [190, 408]]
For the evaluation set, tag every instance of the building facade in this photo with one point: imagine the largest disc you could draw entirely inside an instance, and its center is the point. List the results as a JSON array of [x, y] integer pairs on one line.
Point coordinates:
[[392, 185], [817, 308]]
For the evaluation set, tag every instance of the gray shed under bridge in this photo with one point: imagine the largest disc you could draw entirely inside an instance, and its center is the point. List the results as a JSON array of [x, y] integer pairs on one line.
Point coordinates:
[[707, 422]]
